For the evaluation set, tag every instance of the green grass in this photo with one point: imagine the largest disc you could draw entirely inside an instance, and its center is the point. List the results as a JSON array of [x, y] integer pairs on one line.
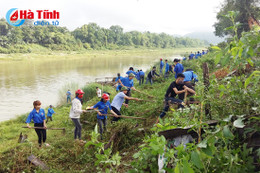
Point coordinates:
[[60, 156]]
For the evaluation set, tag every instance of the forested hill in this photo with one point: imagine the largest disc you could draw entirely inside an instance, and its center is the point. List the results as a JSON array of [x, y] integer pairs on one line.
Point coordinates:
[[88, 36]]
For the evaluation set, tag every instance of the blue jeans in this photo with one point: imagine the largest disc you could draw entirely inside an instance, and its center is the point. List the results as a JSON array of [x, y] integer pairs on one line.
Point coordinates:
[[150, 80], [118, 88], [161, 69], [172, 100], [77, 131], [166, 75], [68, 99]]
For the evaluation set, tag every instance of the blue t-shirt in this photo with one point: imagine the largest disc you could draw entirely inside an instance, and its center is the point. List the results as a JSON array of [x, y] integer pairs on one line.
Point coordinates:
[[189, 75], [191, 56], [102, 108], [137, 76], [198, 55], [167, 67], [130, 71], [184, 58], [68, 93], [178, 69], [161, 64], [141, 73], [118, 78], [37, 117], [50, 112], [127, 82], [118, 100]]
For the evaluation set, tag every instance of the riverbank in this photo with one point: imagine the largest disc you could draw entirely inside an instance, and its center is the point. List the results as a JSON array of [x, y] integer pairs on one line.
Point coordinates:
[[219, 148], [43, 54], [27, 77]]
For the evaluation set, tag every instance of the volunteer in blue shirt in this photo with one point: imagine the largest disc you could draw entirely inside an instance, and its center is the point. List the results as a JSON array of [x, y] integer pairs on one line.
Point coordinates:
[[49, 114], [170, 68], [198, 55], [137, 76], [118, 101], [38, 117], [118, 88], [167, 68], [178, 69], [68, 96], [141, 75], [103, 105], [129, 83], [189, 76], [131, 70], [191, 56], [203, 52], [161, 66]]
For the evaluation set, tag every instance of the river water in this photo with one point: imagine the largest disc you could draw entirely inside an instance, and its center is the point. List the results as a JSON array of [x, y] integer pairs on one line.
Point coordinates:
[[22, 82]]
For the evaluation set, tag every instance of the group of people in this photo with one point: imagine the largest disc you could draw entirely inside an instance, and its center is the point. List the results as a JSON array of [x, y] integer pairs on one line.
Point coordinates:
[[181, 86], [196, 55]]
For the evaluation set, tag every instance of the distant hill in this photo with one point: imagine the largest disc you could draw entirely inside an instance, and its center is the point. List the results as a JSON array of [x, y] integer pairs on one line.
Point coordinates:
[[208, 36]]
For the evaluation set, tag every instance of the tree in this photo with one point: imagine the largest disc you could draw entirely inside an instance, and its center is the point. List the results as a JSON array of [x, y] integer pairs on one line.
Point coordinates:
[[246, 9]]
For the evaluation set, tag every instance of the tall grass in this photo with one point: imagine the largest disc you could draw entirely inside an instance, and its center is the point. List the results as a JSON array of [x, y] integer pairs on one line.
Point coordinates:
[[72, 86]]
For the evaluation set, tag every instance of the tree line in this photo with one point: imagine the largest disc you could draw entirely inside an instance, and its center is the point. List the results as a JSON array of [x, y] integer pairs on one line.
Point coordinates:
[[88, 36]]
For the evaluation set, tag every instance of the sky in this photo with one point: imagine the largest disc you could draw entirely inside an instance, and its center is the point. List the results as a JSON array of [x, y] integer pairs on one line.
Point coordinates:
[[175, 17]]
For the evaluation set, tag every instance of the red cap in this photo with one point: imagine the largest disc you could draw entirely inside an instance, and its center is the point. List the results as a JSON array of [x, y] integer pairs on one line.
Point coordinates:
[[160, 58], [79, 91], [105, 96]]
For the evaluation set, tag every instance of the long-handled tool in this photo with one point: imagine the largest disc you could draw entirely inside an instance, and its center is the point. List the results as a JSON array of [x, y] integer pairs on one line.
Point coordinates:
[[119, 116], [123, 116], [63, 129], [145, 94], [146, 100]]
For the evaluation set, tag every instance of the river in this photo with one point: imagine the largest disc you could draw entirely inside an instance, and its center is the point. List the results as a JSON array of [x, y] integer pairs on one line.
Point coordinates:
[[22, 82]]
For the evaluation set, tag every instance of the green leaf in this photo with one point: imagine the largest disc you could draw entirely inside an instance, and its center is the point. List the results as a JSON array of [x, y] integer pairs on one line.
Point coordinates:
[[186, 167], [250, 51], [216, 48], [239, 123], [177, 168], [208, 151], [218, 57], [247, 81], [249, 60], [229, 28], [202, 144], [227, 133], [196, 160]]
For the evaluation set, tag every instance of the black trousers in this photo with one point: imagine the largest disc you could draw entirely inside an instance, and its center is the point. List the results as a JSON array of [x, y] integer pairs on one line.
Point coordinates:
[[141, 81], [129, 95], [48, 119], [41, 133], [117, 112], [102, 124], [167, 106]]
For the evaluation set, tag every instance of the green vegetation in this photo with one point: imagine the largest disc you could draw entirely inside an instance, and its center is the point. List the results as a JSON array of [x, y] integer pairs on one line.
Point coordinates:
[[38, 54], [233, 99], [247, 11], [24, 39], [137, 142]]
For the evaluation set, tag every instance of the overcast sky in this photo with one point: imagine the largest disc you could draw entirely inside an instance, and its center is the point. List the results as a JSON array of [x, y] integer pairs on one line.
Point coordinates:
[[169, 16]]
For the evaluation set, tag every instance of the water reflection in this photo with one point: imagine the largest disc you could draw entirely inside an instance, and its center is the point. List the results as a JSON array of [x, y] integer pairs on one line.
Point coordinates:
[[22, 82]]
